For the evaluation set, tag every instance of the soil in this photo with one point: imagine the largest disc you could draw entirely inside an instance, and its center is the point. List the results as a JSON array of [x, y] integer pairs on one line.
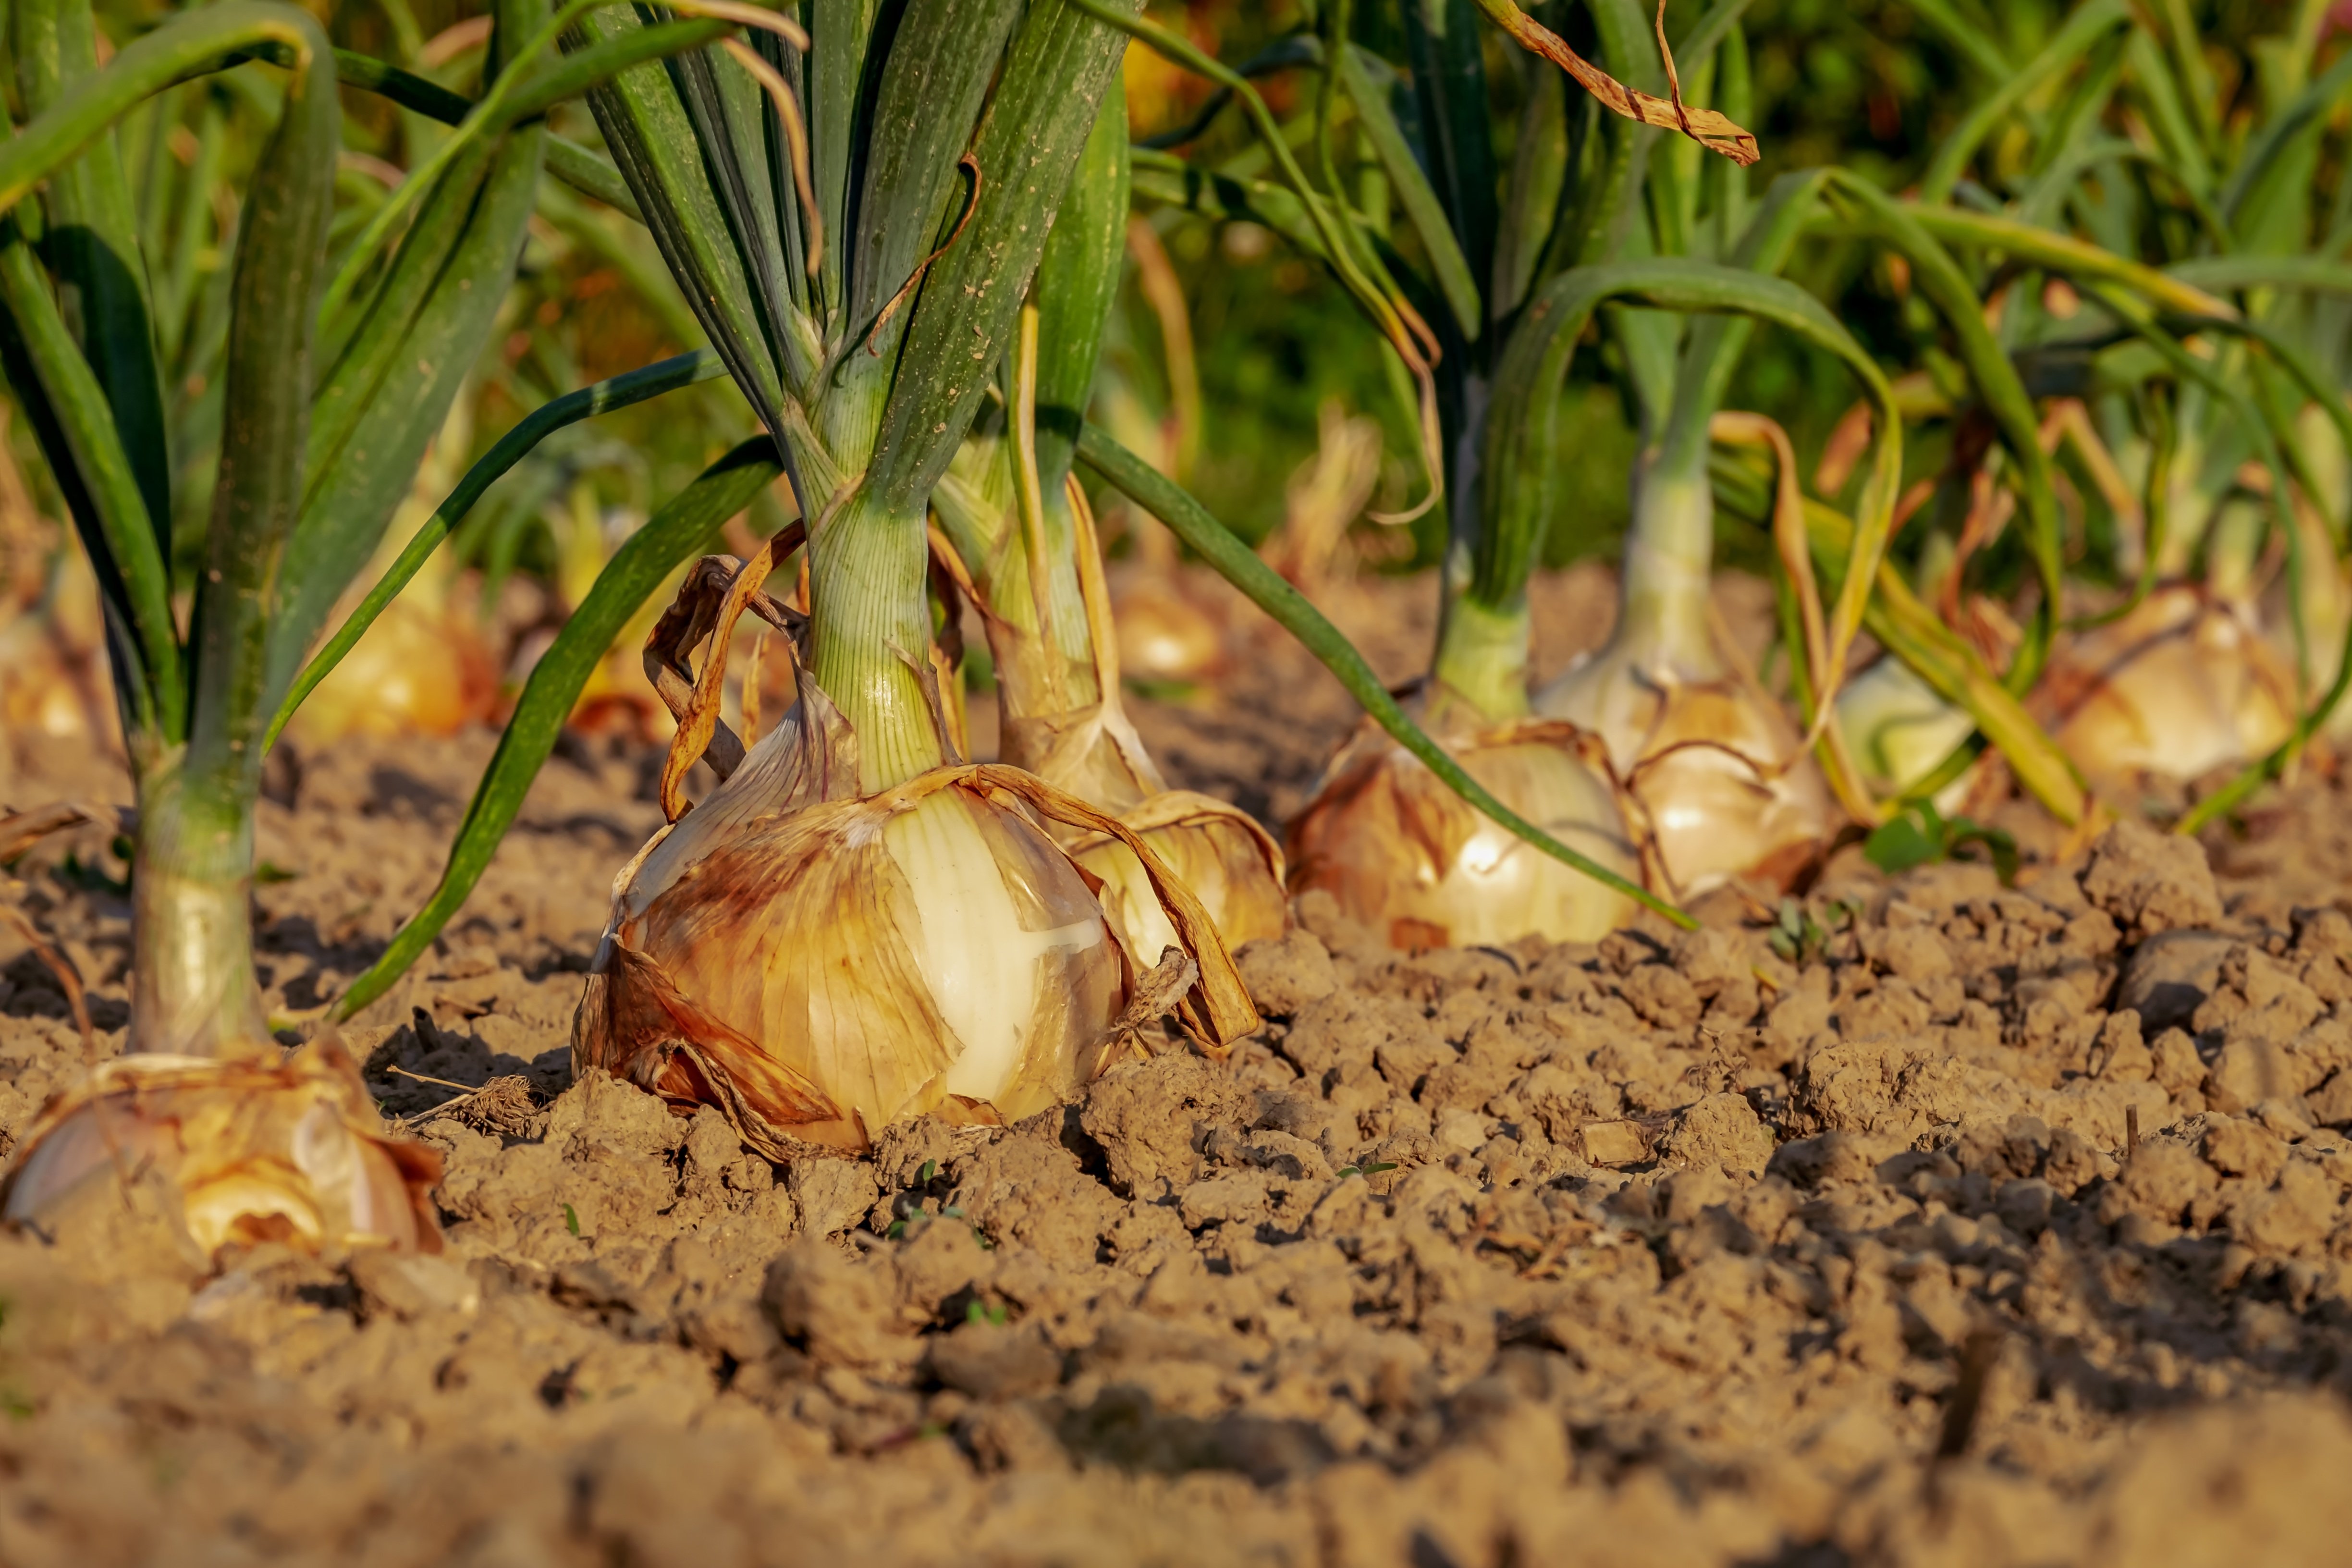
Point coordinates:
[[1674, 1249]]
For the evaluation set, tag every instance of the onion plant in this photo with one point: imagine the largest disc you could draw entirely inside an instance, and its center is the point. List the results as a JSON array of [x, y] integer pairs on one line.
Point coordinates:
[[2098, 160], [1021, 540], [858, 925], [339, 364], [1518, 286]]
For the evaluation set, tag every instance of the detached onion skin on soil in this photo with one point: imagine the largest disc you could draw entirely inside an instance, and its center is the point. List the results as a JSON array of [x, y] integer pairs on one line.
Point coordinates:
[[2180, 686], [818, 966], [255, 1151], [1408, 858]]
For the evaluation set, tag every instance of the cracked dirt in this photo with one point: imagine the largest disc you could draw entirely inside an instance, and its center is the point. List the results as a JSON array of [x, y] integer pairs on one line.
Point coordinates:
[[1995, 1225]]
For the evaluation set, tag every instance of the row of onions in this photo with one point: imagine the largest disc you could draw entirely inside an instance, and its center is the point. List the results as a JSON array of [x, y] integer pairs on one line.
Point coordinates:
[[901, 239]]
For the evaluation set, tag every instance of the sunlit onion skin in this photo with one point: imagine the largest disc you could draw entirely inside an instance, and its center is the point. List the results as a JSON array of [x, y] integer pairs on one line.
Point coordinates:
[[819, 964], [258, 1149], [1231, 864], [2180, 686], [1411, 859], [1714, 771]]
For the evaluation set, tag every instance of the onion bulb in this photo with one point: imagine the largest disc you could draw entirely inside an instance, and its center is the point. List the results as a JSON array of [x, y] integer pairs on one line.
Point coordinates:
[[416, 671], [2181, 685], [1230, 863], [819, 964], [1163, 635], [1721, 783], [1218, 851], [1900, 731], [1717, 779], [1407, 856], [256, 1149]]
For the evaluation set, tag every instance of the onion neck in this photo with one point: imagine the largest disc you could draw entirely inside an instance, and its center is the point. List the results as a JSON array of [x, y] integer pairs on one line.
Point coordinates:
[[192, 991], [1479, 678], [2189, 508], [2233, 555], [1662, 602], [870, 629], [1041, 677]]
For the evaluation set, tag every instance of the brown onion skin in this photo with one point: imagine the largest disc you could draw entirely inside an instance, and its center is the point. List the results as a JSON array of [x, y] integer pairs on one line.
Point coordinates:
[[2180, 686], [1406, 856], [256, 1149], [1721, 797]]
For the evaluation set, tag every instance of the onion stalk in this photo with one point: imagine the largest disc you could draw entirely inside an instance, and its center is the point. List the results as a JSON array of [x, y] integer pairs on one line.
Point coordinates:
[[255, 1145]]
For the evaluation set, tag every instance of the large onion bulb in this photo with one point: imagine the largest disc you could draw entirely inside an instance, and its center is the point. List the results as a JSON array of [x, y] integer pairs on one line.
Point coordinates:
[[258, 1149], [1714, 767], [2181, 685], [1410, 859], [818, 966]]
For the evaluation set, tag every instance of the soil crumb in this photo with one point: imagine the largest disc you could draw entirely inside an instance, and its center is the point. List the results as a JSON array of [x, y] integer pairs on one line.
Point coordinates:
[[1989, 1225]]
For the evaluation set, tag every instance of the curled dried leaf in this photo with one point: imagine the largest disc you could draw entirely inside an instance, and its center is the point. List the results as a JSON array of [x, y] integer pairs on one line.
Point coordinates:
[[1704, 126]]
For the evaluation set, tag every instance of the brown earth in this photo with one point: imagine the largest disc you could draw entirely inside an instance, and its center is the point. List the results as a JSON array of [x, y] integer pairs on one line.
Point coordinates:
[[1672, 1249]]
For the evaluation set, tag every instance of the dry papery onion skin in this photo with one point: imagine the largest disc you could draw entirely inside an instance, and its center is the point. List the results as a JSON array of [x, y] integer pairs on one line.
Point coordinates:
[[1406, 856], [255, 1151], [2181, 685], [1231, 864], [818, 966], [1720, 788], [1092, 752], [1219, 851]]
